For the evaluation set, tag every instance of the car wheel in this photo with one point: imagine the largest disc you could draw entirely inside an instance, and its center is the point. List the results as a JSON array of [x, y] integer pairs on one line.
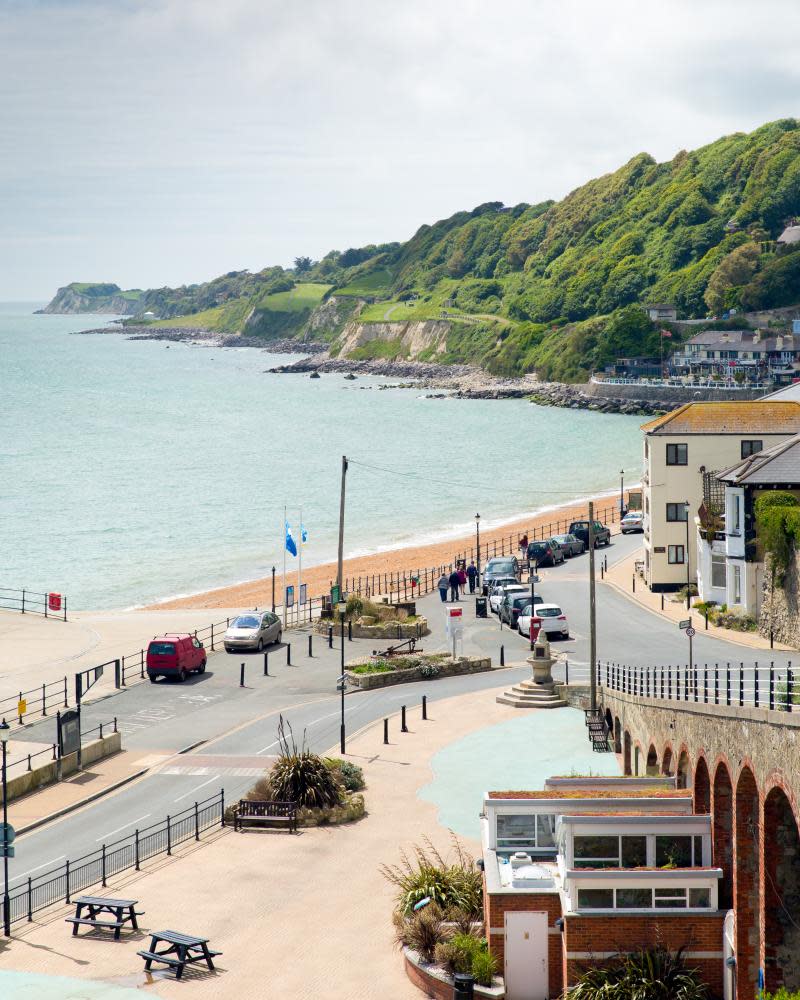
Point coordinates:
[[278, 640], [565, 635], [153, 678], [260, 646], [228, 649], [202, 668], [182, 676]]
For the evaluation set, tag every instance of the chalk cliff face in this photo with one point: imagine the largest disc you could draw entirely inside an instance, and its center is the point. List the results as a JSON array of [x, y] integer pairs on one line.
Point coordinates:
[[411, 339], [80, 297]]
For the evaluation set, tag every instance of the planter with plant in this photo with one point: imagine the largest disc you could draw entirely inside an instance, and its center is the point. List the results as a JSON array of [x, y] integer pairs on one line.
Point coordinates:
[[654, 974]]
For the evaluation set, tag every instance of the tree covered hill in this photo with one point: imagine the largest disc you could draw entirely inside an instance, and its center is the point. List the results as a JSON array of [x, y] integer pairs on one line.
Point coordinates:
[[551, 286]]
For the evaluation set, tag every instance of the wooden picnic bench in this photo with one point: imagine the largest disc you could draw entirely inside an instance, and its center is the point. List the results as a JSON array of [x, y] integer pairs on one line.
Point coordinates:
[[182, 950], [265, 813], [122, 910]]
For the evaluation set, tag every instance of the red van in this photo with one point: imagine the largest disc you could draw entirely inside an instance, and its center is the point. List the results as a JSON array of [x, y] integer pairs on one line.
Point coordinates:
[[175, 655]]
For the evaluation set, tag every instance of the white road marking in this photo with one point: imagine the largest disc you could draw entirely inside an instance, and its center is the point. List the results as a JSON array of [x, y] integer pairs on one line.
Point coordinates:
[[214, 777], [39, 867], [112, 832]]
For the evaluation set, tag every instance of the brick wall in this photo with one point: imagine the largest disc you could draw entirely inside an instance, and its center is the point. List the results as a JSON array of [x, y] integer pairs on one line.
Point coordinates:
[[550, 903]]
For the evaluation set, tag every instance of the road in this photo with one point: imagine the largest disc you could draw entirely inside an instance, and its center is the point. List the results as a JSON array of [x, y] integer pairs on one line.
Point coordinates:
[[238, 723]]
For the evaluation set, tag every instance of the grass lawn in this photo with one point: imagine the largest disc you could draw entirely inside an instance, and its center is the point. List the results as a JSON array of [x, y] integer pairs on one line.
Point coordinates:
[[227, 318], [368, 284], [300, 298]]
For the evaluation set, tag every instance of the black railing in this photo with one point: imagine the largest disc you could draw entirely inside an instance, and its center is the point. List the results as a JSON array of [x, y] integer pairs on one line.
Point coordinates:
[[52, 695], [51, 604], [59, 884], [25, 761]]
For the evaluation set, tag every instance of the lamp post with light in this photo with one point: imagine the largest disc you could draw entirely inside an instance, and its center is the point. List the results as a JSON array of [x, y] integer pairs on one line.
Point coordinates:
[[478, 545], [341, 607], [688, 579], [621, 493], [5, 732]]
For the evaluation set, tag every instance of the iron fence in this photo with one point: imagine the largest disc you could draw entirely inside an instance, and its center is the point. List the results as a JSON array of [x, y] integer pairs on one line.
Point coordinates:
[[25, 761], [51, 604], [59, 884]]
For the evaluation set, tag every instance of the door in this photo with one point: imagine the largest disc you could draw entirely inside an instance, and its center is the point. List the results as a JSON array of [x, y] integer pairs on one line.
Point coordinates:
[[526, 968], [728, 956]]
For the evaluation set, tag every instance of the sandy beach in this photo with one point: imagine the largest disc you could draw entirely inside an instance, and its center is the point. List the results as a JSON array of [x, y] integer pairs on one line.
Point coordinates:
[[258, 593]]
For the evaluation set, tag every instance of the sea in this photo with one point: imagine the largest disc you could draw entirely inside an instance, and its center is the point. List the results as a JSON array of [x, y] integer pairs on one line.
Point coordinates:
[[134, 471]]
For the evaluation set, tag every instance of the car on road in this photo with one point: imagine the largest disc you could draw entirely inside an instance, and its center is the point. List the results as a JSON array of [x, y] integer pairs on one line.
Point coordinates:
[[524, 620], [552, 620], [570, 545], [602, 534], [545, 553], [252, 630], [499, 567], [633, 521], [512, 607], [499, 593], [175, 655]]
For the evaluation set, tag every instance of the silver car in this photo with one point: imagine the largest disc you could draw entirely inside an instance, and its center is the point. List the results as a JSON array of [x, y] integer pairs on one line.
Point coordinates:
[[253, 630]]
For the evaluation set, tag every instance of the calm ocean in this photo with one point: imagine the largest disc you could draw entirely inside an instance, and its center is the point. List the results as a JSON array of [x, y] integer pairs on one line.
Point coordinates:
[[132, 470]]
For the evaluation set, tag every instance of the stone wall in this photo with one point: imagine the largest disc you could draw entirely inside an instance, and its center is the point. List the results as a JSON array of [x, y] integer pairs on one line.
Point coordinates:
[[447, 668], [47, 774], [780, 606]]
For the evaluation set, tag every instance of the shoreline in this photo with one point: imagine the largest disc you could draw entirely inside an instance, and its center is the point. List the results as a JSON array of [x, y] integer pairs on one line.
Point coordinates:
[[399, 559]]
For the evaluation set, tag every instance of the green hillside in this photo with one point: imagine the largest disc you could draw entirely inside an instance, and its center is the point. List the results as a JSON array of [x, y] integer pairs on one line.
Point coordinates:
[[553, 286]]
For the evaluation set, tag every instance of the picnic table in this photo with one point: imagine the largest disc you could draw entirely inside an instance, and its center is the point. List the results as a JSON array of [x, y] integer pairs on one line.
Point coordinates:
[[182, 950], [122, 910]]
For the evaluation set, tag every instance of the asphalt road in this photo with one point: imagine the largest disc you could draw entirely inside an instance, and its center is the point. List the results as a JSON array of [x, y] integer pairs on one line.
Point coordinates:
[[236, 721]]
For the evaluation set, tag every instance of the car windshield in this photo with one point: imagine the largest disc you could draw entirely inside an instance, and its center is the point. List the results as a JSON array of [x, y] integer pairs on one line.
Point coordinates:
[[521, 602], [162, 648], [536, 547], [246, 621], [500, 566], [579, 524], [563, 539], [549, 612]]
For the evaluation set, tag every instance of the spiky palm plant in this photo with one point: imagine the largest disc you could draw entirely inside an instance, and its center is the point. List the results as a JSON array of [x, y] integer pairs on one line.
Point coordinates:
[[647, 974], [300, 776]]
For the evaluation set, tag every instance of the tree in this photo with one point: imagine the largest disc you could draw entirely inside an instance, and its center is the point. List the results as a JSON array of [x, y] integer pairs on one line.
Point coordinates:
[[302, 264], [733, 271]]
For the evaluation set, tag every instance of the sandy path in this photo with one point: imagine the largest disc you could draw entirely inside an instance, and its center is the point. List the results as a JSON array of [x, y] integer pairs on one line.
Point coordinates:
[[257, 593]]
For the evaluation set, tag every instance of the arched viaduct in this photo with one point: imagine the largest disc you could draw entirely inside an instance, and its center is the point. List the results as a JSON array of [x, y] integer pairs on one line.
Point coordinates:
[[743, 766]]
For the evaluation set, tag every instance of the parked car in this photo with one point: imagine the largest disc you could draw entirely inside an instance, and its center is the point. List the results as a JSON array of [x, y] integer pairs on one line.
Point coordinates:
[[176, 655], [602, 534], [570, 545], [512, 607], [545, 553], [524, 620], [633, 521], [253, 630], [501, 566], [553, 620], [499, 594]]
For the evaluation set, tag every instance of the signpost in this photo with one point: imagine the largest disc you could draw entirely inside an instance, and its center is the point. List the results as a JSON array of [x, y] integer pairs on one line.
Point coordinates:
[[454, 626], [686, 626], [7, 837]]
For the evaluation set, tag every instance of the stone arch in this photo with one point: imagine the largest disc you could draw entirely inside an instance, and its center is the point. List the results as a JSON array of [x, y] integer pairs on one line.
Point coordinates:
[[781, 892], [722, 827], [638, 758], [702, 787], [652, 761], [666, 760], [626, 753], [684, 770], [746, 882], [617, 735]]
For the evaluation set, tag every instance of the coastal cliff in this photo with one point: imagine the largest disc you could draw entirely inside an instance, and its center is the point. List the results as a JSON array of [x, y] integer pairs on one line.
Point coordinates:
[[90, 297]]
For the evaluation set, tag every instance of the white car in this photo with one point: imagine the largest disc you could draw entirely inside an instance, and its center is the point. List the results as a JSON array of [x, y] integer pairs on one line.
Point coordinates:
[[496, 598], [553, 619], [633, 521], [524, 620], [253, 630]]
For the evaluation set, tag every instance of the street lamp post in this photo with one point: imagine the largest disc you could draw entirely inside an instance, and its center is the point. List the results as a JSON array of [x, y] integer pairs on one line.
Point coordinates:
[[5, 732], [621, 493], [342, 608], [478, 545], [273, 590], [688, 578]]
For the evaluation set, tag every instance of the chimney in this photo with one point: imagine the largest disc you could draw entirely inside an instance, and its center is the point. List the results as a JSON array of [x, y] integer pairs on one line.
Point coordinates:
[[757, 337], [779, 343], [725, 338]]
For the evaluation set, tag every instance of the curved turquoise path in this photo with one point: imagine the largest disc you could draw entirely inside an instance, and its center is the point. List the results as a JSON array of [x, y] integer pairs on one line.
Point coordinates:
[[31, 986], [518, 754]]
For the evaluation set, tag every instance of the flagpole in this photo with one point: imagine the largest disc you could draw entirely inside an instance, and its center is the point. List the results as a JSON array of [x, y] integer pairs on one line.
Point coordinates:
[[284, 565], [299, 563]]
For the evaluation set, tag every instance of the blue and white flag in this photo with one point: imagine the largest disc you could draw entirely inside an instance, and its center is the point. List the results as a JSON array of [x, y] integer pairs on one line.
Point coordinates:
[[291, 545], [303, 535]]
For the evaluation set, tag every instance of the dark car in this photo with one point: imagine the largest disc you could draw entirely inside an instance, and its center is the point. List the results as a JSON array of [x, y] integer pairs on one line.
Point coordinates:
[[499, 567], [570, 545], [176, 655], [580, 529], [512, 607], [545, 553]]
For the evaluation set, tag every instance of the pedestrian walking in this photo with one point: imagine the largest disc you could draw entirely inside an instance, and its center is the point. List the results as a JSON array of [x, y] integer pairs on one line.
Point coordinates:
[[462, 579], [443, 585], [523, 545], [454, 584], [472, 576]]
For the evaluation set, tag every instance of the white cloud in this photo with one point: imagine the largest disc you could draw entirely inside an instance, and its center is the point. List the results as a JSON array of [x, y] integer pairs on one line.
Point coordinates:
[[174, 139]]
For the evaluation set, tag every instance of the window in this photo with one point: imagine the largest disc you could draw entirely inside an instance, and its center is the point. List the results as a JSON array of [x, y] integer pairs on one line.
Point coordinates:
[[699, 899], [634, 899], [675, 554], [677, 512], [718, 570], [596, 852], [674, 852], [670, 899], [544, 831], [595, 899], [737, 585], [677, 454], [751, 448], [513, 830], [634, 852]]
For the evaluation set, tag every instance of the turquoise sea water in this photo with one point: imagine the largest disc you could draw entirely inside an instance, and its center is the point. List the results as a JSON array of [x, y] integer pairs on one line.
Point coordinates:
[[132, 470]]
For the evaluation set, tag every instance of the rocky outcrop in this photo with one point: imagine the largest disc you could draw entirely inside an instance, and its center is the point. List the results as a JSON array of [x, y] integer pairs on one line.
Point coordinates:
[[577, 397]]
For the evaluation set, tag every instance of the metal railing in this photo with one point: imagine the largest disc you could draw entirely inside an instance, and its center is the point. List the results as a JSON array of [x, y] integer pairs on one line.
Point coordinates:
[[25, 761], [51, 604], [59, 884]]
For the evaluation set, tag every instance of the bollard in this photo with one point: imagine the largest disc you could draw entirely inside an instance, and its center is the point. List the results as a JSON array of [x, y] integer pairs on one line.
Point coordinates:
[[566, 671], [502, 656], [266, 664], [350, 630], [424, 706], [633, 583], [706, 614], [662, 602], [241, 677], [386, 731], [288, 654], [601, 571], [310, 647], [771, 640], [330, 637], [403, 726]]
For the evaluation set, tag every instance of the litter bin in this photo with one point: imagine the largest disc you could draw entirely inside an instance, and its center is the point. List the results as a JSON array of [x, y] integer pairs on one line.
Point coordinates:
[[463, 986], [485, 589], [480, 607]]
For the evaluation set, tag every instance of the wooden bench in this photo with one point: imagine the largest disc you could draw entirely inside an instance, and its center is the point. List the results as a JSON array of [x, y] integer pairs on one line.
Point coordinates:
[[122, 910], [185, 948], [265, 813]]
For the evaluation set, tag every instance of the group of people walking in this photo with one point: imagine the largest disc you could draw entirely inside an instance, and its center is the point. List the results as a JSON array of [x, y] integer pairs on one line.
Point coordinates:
[[457, 581]]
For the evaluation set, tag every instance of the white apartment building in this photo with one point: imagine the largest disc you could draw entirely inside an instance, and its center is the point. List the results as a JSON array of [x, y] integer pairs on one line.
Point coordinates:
[[679, 448]]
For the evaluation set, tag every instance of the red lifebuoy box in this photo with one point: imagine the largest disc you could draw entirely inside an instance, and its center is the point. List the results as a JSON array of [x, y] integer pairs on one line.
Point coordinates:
[[54, 602], [536, 627]]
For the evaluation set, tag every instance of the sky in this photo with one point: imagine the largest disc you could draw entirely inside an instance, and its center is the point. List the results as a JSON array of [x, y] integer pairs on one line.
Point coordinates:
[[163, 142]]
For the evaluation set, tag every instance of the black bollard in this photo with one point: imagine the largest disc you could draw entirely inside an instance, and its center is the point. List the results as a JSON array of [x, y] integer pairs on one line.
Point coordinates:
[[385, 730], [502, 656], [288, 654], [310, 646], [241, 677], [403, 726], [266, 663], [424, 706], [350, 630], [330, 637]]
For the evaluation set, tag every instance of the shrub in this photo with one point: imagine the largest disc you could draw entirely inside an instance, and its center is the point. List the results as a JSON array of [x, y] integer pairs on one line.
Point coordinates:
[[422, 931], [782, 994], [300, 776], [351, 809], [457, 883], [467, 953], [657, 974], [429, 670], [484, 968], [351, 775]]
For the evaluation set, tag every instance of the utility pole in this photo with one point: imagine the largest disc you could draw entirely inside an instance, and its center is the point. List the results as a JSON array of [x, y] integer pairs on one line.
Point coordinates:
[[478, 545], [592, 618], [339, 577]]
